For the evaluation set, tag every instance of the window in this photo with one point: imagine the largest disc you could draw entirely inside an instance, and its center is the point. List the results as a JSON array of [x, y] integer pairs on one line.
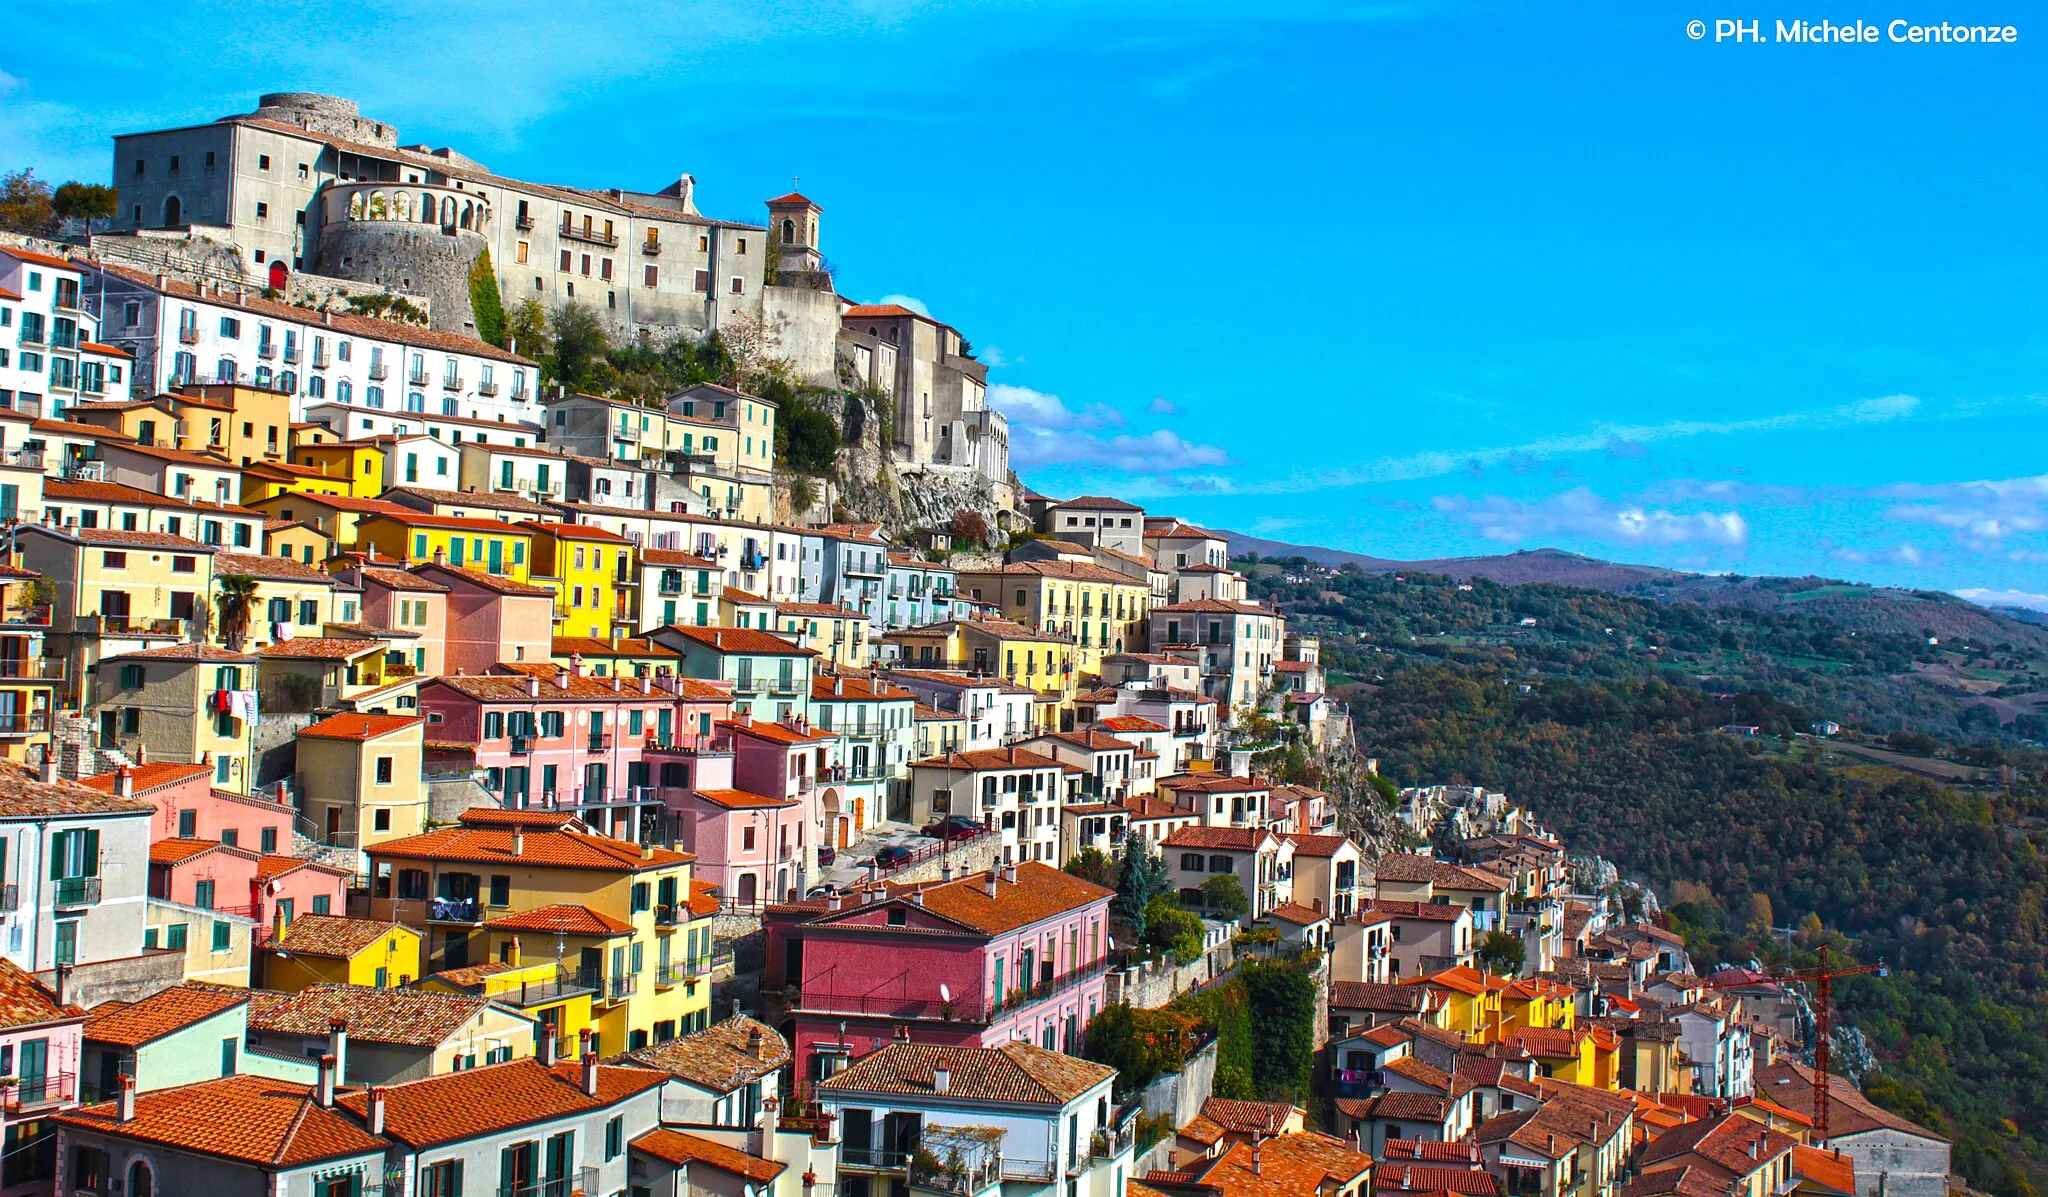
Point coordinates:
[[268, 839], [739, 285], [614, 1138], [116, 561], [262, 162], [501, 889], [262, 211], [383, 770], [174, 937], [651, 275], [223, 935], [702, 282], [443, 1179]]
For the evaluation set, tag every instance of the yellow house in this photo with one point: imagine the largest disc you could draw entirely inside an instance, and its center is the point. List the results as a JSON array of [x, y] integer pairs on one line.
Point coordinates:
[[363, 777], [292, 598], [114, 588], [261, 480], [1472, 1000], [362, 463], [1538, 1004], [261, 422], [592, 568], [333, 516], [28, 679], [840, 633], [416, 538], [187, 702], [1099, 609], [297, 540], [327, 949], [633, 927], [1042, 662], [532, 982], [1586, 1056]]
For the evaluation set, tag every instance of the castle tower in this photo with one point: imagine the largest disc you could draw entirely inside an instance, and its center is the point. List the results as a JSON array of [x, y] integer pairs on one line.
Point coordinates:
[[793, 224]]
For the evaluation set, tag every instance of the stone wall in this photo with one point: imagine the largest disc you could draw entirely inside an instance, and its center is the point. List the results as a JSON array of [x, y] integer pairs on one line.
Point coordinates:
[[417, 259], [1152, 985], [804, 320], [974, 857], [449, 796], [1181, 1094], [274, 747], [127, 979]]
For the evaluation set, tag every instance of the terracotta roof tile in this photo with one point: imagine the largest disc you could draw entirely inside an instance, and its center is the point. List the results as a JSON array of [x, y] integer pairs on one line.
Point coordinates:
[[742, 640], [676, 1147], [148, 776], [484, 842], [351, 725], [27, 1002], [159, 1014], [1229, 839], [332, 936], [563, 917], [1015, 1072], [249, 1118], [24, 795], [483, 1101], [319, 648], [413, 1017], [720, 1058]]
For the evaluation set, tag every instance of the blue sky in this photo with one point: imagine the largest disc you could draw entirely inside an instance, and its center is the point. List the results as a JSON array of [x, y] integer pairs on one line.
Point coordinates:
[[1412, 279]]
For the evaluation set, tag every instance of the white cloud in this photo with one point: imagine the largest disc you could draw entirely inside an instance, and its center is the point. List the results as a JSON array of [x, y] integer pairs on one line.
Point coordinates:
[[1580, 512], [1045, 431], [1984, 515], [994, 358], [1162, 406], [2003, 598], [907, 301], [1438, 463]]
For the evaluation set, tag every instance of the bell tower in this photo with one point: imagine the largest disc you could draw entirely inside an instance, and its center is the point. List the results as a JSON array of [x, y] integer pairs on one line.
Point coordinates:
[[793, 228]]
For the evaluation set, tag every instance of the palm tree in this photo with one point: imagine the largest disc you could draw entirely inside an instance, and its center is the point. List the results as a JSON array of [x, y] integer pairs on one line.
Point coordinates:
[[237, 601]]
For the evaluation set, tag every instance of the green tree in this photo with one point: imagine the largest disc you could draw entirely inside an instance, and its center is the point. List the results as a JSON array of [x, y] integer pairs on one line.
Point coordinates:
[[485, 304], [526, 329], [84, 202], [1092, 864], [1282, 999], [1501, 953], [1223, 897], [26, 204], [579, 346], [806, 439], [1171, 931], [237, 602], [1140, 878]]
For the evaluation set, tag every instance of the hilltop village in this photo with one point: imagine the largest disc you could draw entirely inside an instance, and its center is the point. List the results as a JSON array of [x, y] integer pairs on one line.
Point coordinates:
[[424, 778]]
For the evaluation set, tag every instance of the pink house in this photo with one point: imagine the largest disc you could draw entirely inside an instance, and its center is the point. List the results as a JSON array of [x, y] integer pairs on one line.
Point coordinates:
[[188, 807], [402, 600], [491, 619], [748, 845], [549, 737], [273, 890], [979, 960], [41, 1041]]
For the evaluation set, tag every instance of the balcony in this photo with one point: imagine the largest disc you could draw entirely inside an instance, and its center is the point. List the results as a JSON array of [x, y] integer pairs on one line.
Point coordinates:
[[451, 382], [188, 334], [320, 360], [1107, 1145], [521, 746], [584, 1181], [77, 891], [26, 723], [291, 354], [592, 236], [379, 371], [266, 349], [40, 1092], [455, 910], [487, 388], [668, 976], [418, 378], [671, 915], [600, 742], [43, 669], [651, 248], [618, 989], [524, 223]]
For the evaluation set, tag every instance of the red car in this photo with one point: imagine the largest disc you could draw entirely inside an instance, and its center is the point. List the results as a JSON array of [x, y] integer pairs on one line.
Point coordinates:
[[953, 829]]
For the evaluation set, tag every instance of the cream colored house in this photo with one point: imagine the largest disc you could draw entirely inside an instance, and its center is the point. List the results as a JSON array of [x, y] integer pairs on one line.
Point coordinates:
[[187, 702], [363, 777]]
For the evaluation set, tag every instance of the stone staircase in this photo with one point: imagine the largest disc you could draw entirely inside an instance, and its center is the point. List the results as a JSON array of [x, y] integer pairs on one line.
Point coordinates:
[[73, 740]]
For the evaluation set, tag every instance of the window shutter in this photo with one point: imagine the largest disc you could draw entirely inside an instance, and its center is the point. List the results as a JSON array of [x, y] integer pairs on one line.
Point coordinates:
[[92, 852], [58, 842]]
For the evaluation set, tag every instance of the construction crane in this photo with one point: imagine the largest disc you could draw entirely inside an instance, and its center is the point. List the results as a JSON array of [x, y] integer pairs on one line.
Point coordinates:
[[1823, 979]]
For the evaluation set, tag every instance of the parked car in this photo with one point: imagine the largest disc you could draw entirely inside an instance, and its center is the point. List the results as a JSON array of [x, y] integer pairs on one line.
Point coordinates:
[[953, 829], [895, 856], [826, 855], [821, 891]]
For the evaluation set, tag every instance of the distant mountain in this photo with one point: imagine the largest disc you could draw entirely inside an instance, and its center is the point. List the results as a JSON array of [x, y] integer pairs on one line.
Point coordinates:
[[1854, 605]]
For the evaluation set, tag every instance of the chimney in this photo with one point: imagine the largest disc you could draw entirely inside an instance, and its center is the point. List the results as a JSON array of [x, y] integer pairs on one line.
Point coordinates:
[[1256, 1170], [63, 985], [942, 1076], [618, 683], [337, 1045], [48, 770], [323, 1093], [125, 1110], [561, 678], [576, 664], [902, 1033], [590, 1075], [532, 686], [754, 1042], [547, 1050], [124, 782], [646, 684], [583, 1042], [518, 841], [376, 1110], [440, 556], [1010, 872], [988, 883], [917, 897]]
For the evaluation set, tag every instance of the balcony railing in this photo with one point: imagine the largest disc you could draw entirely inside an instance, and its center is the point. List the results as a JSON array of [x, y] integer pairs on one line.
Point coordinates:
[[593, 236], [267, 349], [451, 382], [524, 222], [521, 746], [651, 248], [585, 1180], [621, 988], [487, 388], [379, 371], [24, 723], [188, 334], [418, 378], [50, 1089], [77, 891], [455, 910], [600, 742], [31, 459], [39, 668], [320, 360], [10, 899], [668, 976], [670, 914]]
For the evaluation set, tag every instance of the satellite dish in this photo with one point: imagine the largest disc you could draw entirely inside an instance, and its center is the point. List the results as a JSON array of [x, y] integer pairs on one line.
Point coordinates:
[[945, 993]]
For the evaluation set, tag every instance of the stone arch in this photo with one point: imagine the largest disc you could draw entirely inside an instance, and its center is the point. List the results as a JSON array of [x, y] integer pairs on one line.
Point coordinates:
[[141, 1180], [380, 208], [174, 212], [468, 214], [788, 231], [427, 207], [748, 889], [447, 210], [355, 205], [401, 205]]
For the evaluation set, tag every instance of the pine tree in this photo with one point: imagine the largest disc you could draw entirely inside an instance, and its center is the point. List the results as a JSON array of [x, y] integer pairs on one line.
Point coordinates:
[[1138, 881], [485, 304]]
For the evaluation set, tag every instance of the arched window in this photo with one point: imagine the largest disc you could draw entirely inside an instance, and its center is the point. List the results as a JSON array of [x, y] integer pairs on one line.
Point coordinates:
[[173, 212], [788, 231], [468, 213], [402, 206], [447, 209], [426, 207], [355, 206], [379, 209], [141, 1182]]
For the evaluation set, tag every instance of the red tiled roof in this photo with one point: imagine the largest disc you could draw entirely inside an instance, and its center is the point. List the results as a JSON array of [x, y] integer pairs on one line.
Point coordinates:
[[148, 776], [566, 918], [1392, 1177], [332, 936], [993, 758], [480, 841], [319, 648], [27, 1002], [1016, 1072], [1229, 839], [160, 1014], [742, 799], [249, 1118], [676, 1147], [743, 640], [501, 1097], [351, 725]]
